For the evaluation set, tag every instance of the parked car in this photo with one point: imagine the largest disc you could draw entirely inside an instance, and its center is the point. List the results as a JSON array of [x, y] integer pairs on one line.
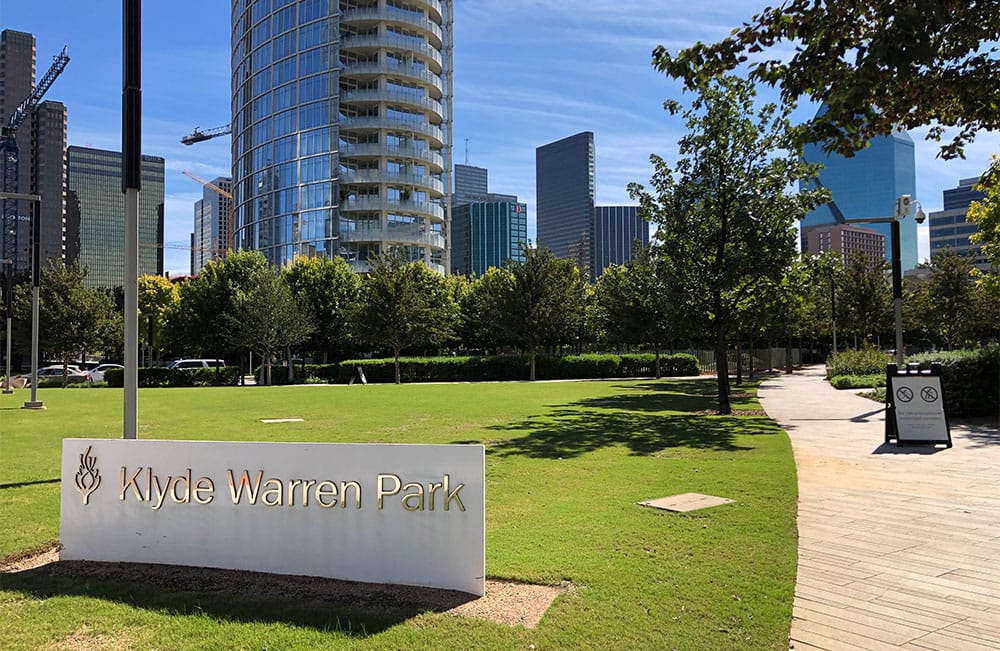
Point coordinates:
[[96, 374], [52, 376], [188, 364]]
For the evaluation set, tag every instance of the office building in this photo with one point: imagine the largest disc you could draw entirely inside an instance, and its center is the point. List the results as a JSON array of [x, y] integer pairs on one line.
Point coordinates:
[[341, 120], [617, 231], [949, 230], [210, 239], [41, 143], [867, 186], [569, 223], [564, 196], [846, 240], [487, 234], [471, 184], [95, 198]]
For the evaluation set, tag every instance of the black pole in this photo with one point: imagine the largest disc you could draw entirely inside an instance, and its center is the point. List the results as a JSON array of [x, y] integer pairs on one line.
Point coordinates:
[[36, 242], [131, 96], [897, 290]]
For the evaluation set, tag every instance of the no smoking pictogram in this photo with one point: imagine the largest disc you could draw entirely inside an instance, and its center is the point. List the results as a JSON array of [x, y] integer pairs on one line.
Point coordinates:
[[928, 394], [905, 394]]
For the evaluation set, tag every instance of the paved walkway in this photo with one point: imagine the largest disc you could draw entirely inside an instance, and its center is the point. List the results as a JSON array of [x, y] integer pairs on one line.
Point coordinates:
[[899, 547]]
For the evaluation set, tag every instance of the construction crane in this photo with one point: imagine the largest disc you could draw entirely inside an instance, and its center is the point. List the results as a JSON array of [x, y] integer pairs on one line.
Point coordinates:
[[9, 149], [229, 206], [198, 135]]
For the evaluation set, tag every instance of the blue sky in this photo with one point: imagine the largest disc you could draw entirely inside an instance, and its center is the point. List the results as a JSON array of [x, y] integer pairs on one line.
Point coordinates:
[[527, 72]]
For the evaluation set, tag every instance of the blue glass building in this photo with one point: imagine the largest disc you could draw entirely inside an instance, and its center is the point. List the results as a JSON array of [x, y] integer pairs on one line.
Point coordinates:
[[487, 234], [867, 185], [342, 128], [617, 231], [564, 195]]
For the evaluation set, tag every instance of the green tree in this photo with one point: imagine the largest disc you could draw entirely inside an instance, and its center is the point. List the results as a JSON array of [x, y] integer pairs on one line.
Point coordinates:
[[543, 306], [726, 221], [864, 298], [482, 309], [986, 215], [197, 322], [403, 305], [327, 288], [72, 319], [635, 307], [266, 318], [157, 297], [875, 64], [950, 300]]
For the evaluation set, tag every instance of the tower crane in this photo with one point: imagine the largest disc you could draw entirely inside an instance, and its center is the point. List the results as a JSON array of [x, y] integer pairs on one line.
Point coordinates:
[[228, 244], [9, 150], [198, 135]]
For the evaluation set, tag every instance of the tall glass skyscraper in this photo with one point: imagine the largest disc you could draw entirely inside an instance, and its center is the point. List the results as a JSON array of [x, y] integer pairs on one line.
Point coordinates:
[[342, 128], [96, 205], [565, 191], [867, 185]]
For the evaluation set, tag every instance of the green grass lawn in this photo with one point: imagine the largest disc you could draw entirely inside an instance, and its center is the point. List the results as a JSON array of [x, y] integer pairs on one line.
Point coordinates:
[[566, 464]]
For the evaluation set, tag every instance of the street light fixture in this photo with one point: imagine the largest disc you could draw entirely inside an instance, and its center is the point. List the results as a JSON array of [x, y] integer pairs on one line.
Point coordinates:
[[903, 205], [36, 200]]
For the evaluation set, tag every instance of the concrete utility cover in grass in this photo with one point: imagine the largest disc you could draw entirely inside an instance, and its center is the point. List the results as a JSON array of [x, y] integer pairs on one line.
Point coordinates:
[[685, 502], [282, 420]]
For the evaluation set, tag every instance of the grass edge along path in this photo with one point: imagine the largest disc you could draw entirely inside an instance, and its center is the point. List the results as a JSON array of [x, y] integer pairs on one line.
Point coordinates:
[[566, 465]]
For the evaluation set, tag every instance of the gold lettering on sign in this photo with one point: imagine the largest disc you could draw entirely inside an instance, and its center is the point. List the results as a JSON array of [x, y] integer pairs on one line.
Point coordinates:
[[382, 491], [203, 485], [414, 501], [344, 485], [453, 495], [326, 489], [252, 489], [131, 483]]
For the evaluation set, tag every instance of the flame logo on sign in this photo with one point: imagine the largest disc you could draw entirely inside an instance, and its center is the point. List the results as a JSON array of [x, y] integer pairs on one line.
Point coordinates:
[[88, 477]]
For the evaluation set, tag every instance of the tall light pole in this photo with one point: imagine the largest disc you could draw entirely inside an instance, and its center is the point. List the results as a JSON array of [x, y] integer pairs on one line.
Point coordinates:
[[131, 177], [903, 203], [36, 236]]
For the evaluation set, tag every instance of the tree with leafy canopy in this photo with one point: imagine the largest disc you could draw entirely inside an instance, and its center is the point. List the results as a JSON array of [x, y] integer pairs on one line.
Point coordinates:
[[635, 306], [726, 220], [482, 309], [402, 305], [327, 288], [875, 64], [265, 318], [157, 296], [864, 299], [72, 319], [986, 215], [197, 322], [543, 305]]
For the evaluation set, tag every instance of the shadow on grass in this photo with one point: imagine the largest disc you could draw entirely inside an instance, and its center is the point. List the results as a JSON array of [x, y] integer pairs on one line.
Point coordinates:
[[21, 484], [664, 416], [352, 609]]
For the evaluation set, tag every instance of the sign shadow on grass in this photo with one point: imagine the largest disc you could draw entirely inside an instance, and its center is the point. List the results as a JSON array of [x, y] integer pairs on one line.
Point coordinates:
[[355, 610]]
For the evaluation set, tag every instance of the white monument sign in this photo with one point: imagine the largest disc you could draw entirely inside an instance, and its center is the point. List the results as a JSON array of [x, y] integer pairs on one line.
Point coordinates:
[[919, 408], [405, 514]]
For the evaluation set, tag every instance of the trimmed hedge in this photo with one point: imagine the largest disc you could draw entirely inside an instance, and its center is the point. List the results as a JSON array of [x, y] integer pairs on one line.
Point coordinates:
[[472, 369], [867, 361], [858, 381], [163, 377], [970, 379]]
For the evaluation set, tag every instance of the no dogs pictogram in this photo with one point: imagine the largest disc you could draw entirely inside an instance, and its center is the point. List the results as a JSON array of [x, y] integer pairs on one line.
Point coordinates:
[[905, 394], [928, 394]]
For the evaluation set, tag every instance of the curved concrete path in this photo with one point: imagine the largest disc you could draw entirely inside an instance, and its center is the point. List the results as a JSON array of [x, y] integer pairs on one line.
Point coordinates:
[[899, 547]]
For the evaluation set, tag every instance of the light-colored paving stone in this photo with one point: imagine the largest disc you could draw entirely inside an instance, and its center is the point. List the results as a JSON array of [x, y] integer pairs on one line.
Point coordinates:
[[899, 547]]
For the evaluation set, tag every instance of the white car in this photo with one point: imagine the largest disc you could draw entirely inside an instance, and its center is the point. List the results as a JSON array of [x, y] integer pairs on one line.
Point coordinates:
[[52, 376], [96, 374]]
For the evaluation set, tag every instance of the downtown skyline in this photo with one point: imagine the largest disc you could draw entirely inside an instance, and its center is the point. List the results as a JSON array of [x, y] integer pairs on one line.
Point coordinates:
[[526, 73]]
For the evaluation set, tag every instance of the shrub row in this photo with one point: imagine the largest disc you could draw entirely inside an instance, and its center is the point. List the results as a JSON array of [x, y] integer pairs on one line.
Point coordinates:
[[970, 379], [867, 361], [858, 381], [163, 377], [472, 369]]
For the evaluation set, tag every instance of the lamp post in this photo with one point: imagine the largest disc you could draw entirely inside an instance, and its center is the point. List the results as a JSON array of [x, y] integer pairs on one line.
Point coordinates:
[[903, 203], [36, 236]]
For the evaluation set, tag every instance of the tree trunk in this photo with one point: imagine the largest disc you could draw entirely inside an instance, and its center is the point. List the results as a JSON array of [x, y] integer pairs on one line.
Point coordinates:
[[739, 362], [722, 370], [395, 352], [658, 374], [788, 355], [531, 360], [750, 374]]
